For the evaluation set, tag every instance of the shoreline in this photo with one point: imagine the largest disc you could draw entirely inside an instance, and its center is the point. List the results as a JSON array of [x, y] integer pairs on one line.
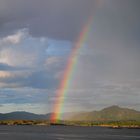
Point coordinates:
[[109, 124]]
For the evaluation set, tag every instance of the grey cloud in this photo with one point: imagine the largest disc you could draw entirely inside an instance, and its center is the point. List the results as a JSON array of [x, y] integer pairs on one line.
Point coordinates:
[[35, 79], [118, 20], [61, 19], [108, 67], [41, 78], [6, 67], [23, 95], [26, 62], [29, 50], [64, 19]]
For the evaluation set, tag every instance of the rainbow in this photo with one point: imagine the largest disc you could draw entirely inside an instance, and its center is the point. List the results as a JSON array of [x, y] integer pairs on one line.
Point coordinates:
[[71, 64], [70, 68]]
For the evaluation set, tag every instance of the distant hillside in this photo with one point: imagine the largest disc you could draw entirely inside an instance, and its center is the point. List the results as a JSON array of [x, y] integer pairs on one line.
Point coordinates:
[[113, 113], [23, 116]]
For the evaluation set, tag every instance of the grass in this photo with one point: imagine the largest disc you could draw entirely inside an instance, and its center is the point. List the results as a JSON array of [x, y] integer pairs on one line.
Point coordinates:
[[112, 124]]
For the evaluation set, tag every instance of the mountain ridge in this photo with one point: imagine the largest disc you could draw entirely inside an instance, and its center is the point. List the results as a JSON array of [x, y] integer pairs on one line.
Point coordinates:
[[23, 115], [111, 113]]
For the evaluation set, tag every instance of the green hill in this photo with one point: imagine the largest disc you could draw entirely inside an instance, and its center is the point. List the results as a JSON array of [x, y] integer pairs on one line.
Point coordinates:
[[23, 116], [113, 113]]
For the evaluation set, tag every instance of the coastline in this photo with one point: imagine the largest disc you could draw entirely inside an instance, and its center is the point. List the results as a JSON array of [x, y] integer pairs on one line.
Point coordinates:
[[113, 125]]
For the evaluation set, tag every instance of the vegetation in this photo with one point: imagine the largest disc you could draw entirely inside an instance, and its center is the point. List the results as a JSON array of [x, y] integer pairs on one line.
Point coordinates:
[[110, 124], [24, 122]]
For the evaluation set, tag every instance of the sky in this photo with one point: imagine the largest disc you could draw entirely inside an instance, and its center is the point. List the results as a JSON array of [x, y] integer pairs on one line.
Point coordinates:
[[37, 38]]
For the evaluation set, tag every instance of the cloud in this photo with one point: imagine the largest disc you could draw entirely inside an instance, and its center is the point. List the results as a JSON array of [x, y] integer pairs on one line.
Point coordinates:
[[12, 39], [61, 19], [25, 99], [23, 95], [34, 108], [29, 51], [34, 51], [107, 73], [30, 62], [98, 97], [64, 19], [6, 67]]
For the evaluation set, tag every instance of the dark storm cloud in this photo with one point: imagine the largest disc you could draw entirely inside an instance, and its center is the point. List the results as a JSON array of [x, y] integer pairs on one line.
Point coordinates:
[[64, 19], [118, 20], [61, 19]]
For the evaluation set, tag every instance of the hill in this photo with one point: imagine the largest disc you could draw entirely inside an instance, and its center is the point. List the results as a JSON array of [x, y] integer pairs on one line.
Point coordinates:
[[23, 116], [113, 113]]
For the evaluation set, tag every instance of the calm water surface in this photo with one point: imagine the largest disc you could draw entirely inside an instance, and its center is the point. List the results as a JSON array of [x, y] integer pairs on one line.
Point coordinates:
[[66, 133]]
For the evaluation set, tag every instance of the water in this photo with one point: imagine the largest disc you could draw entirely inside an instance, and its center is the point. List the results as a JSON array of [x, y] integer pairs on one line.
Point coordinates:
[[66, 133]]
